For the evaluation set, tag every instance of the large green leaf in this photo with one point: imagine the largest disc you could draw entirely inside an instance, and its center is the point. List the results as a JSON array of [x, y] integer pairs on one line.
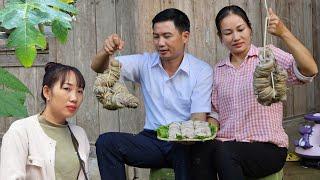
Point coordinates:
[[24, 15], [12, 19], [9, 81], [12, 95], [26, 55], [62, 5], [12, 104], [26, 35], [25, 38], [60, 30]]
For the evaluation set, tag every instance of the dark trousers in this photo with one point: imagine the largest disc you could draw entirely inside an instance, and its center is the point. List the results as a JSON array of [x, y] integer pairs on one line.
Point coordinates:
[[235, 160], [143, 150]]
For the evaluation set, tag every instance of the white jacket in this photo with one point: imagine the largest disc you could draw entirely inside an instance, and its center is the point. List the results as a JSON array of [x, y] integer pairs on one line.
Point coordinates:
[[27, 153]]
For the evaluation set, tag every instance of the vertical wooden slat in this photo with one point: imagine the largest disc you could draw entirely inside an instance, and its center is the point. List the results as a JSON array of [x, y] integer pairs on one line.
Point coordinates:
[[307, 41], [316, 49], [254, 12], [131, 120], [299, 17], [221, 50], [38, 84], [26, 76], [53, 48], [204, 33], [105, 26], [84, 42], [2, 127], [283, 13]]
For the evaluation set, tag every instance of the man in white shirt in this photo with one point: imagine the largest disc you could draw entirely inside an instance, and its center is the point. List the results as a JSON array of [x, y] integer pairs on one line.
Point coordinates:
[[175, 86]]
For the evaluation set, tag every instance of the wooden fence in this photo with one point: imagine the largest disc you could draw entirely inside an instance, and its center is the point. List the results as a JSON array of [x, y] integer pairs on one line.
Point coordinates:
[[132, 19]]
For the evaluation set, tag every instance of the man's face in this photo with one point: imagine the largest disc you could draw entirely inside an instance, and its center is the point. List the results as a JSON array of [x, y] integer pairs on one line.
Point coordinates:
[[169, 41]]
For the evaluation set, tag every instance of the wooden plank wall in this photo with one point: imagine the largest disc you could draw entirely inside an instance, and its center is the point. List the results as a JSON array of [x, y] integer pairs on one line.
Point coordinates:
[[316, 48], [132, 19]]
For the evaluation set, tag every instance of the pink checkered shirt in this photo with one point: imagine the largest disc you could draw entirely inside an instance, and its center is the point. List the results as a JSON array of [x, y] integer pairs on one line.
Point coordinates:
[[240, 115]]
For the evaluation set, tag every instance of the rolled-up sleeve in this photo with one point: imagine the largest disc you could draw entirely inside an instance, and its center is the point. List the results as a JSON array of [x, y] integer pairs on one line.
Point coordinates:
[[287, 62], [300, 76]]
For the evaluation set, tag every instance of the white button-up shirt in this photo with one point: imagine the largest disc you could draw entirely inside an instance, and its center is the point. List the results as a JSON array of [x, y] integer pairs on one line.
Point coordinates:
[[168, 99]]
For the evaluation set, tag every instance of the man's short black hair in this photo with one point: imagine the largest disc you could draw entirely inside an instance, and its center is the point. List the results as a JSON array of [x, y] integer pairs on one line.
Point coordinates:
[[179, 18]]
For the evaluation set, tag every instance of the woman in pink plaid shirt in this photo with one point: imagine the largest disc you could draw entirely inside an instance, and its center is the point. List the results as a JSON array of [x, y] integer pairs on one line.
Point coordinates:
[[251, 141]]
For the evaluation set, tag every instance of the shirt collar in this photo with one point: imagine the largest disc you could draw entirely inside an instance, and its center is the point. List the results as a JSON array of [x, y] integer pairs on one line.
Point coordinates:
[[184, 66], [253, 51]]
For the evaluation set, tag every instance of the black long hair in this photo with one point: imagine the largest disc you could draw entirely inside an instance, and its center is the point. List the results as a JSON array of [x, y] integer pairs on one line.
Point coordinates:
[[232, 9], [55, 72]]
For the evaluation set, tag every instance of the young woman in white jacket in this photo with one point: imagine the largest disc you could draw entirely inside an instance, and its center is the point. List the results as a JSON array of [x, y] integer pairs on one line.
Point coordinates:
[[44, 146]]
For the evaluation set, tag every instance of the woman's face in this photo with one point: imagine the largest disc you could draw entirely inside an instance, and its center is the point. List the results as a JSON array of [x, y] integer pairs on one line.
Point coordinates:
[[63, 102], [235, 34]]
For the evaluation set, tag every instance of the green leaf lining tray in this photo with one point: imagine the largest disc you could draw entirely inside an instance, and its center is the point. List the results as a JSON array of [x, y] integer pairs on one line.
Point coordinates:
[[163, 134]]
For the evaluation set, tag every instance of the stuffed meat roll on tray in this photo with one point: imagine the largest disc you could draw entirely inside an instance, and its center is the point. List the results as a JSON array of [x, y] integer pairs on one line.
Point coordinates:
[[187, 131]]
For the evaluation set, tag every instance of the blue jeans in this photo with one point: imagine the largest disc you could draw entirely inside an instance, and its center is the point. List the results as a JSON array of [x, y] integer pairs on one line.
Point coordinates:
[[143, 150]]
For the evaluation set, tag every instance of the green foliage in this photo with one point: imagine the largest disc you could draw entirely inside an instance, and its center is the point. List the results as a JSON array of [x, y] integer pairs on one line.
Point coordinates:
[[213, 128], [12, 95], [163, 131], [60, 30], [23, 16]]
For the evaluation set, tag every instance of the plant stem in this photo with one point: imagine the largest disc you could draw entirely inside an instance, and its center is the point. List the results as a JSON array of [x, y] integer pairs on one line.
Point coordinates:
[[41, 28]]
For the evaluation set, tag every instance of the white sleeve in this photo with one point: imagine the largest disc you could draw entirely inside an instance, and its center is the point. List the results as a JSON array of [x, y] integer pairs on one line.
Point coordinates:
[[300, 76], [201, 94], [214, 115], [131, 66], [14, 152]]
